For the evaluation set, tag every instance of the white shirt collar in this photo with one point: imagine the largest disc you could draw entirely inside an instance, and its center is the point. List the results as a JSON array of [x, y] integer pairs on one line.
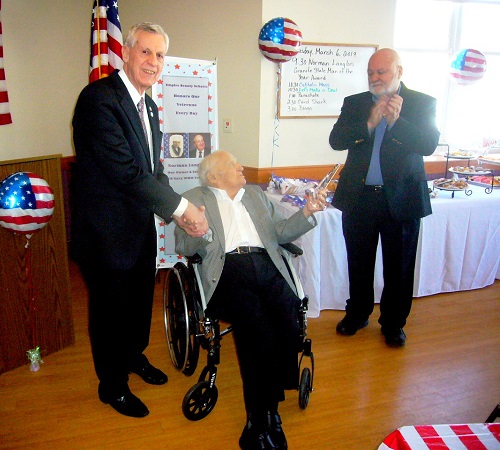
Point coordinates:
[[221, 194], [134, 93]]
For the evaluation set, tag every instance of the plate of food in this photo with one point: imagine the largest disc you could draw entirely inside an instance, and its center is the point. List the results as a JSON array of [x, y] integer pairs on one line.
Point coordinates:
[[486, 181], [452, 185], [461, 154], [490, 159], [469, 170]]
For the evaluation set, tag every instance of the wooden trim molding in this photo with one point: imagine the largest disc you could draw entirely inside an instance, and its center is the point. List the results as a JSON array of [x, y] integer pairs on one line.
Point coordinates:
[[434, 166]]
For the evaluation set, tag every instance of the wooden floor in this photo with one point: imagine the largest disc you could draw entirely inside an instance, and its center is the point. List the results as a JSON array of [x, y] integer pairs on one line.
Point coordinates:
[[449, 372]]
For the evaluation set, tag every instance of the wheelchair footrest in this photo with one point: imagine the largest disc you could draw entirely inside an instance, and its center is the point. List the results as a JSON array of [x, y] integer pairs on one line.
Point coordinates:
[[307, 350]]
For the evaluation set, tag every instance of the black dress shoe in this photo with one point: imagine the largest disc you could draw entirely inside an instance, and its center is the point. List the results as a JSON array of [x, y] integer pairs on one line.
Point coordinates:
[[256, 438], [349, 327], [150, 374], [125, 403], [394, 337], [275, 430]]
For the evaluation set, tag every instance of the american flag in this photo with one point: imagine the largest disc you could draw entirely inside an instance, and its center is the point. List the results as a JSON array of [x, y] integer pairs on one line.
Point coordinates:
[[26, 203], [468, 66], [5, 116], [279, 39], [106, 39], [454, 436]]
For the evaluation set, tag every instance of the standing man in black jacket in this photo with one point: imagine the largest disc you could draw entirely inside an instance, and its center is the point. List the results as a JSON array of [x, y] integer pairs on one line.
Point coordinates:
[[382, 191], [120, 186]]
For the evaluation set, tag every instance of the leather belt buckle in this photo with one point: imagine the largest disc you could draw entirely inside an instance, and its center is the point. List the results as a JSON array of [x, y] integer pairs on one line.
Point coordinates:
[[243, 250]]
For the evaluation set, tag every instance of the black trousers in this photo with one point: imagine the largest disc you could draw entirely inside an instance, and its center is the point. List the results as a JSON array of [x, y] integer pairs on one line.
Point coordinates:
[[120, 309], [254, 297], [362, 227]]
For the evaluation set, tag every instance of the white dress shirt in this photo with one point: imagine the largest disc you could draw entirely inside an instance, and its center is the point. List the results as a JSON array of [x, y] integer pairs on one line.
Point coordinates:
[[239, 229]]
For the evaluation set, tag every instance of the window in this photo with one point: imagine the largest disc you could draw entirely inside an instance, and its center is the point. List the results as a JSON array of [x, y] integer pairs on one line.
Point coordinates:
[[427, 35]]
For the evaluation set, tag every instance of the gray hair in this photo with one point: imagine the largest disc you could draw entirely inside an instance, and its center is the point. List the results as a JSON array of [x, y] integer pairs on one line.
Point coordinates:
[[131, 40], [208, 165]]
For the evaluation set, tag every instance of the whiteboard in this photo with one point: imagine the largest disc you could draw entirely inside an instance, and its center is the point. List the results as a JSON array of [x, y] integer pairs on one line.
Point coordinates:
[[315, 82]]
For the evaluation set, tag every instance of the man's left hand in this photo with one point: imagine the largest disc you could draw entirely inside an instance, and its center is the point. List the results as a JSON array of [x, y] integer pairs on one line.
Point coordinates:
[[393, 109]]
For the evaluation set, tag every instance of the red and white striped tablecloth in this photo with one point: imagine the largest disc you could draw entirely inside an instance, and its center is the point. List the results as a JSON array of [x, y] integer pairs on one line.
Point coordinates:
[[476, 436]]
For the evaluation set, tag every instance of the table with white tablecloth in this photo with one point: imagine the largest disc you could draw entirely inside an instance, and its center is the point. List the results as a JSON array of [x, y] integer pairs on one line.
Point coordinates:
[[458, 249]]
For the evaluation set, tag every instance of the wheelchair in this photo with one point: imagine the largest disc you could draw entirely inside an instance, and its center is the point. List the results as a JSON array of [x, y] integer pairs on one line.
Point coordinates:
[[188, 329]]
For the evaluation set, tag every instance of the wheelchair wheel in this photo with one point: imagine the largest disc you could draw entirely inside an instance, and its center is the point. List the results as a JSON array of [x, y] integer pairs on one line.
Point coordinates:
[[305, 388], [177, 317], [199, 401]]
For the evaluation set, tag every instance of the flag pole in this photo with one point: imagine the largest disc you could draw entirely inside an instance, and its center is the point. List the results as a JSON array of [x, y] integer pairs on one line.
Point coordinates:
[[98, 16]]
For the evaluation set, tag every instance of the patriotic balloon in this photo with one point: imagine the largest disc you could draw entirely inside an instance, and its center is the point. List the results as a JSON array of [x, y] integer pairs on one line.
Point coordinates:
[[26, 203], [279, 39], [468, 66]]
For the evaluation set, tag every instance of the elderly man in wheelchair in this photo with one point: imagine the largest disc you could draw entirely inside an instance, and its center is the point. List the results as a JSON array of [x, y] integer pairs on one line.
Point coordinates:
[[246, 282]]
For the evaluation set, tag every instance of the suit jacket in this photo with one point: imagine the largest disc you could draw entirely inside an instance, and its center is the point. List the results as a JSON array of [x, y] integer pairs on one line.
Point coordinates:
[[193, 153], [116, 192], [272, 227], [176, 152], [413, 136]]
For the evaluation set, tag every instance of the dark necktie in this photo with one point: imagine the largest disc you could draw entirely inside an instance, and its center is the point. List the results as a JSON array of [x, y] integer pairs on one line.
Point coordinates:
[[199, 154], [140, 108]]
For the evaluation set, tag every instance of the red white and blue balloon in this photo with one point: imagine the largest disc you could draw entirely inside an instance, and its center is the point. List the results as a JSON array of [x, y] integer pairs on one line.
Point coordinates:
[[468, 66], [280, 39], [26, 203]]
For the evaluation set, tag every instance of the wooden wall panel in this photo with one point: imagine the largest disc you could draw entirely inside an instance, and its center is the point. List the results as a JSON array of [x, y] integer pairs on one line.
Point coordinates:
[[434, 167], [42, 315]]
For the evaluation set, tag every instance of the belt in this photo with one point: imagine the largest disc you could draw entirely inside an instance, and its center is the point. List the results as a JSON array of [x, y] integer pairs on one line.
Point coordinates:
[[246, 249], [374, 188]]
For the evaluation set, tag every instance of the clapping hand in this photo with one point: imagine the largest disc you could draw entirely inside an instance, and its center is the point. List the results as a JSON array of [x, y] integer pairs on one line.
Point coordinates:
[[388, 107]]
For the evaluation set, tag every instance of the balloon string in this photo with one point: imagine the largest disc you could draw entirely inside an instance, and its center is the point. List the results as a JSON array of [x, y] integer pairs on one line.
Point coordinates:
[[32, 306], [276, 118]]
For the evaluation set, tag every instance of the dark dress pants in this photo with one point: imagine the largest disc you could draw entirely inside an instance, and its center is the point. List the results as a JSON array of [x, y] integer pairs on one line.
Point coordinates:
[[254, 297], [120, 309], [362, 227]]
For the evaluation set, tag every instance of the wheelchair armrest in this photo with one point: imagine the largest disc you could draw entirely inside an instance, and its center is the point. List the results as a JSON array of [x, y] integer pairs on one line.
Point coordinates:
[[292, 248], [195, 259]]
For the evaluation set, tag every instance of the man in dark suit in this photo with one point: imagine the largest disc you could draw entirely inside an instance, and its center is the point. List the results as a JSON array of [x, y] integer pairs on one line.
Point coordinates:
[[199, 150], [120, 185], [382, 191], [246, 283]]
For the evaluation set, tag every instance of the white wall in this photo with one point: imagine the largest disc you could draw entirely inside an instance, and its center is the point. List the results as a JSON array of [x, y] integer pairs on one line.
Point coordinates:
[[305, 141], [46, 46], [46, 58]]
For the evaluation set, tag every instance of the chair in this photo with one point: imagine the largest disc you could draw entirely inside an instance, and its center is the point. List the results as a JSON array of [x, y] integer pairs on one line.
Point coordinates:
[[187, 329]]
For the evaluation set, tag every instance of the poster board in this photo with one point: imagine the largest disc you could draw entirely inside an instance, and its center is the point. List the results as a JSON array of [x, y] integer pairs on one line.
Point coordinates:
[[186, 95], [315, 82]]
